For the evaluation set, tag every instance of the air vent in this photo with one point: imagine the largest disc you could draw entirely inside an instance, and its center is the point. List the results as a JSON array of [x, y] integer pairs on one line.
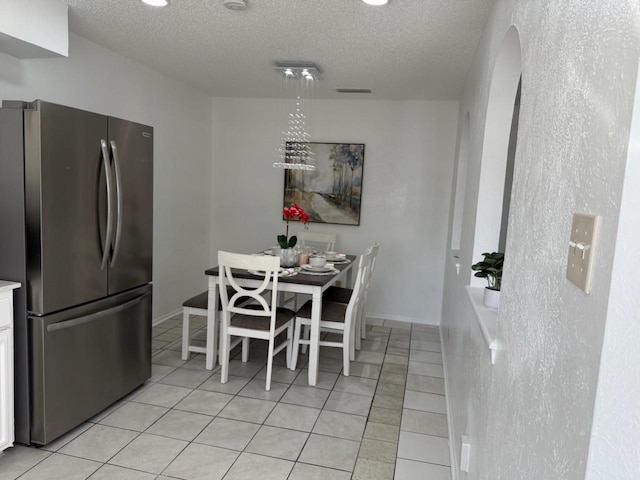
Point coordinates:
[[235, 4], [353, 90]]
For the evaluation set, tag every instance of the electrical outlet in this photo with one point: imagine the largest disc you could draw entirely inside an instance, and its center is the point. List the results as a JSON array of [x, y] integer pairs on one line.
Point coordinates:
[[582, 250]]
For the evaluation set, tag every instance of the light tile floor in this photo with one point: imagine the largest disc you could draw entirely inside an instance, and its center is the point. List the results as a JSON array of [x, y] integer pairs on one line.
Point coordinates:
[[386, 421]]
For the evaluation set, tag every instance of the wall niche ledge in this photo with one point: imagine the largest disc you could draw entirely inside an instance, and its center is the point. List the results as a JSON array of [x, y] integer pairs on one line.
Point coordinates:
[[487, 319]]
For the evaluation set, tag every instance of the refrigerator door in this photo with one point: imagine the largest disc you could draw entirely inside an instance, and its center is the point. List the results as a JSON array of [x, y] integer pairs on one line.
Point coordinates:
[[86, 358], [64, 184], [132, 161]]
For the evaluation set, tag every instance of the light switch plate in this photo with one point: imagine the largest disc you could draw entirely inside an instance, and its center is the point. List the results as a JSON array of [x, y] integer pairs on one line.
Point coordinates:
[[582, 250], [465, 454]]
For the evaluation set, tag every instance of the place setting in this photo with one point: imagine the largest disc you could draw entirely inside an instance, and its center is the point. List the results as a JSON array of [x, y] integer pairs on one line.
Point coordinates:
[[283, 272], [335, 257], [318, 266]]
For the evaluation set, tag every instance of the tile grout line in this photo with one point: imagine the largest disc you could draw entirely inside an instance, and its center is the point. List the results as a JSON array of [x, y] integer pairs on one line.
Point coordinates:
[[412, 348], [360, 460]]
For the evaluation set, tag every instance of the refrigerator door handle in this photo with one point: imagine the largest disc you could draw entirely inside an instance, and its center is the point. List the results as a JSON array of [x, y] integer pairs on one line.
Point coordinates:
[[96, 316], [116, 168], [107, 175]]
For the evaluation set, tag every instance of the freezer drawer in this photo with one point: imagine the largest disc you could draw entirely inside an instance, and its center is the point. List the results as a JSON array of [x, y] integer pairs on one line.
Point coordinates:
[[86, 359]]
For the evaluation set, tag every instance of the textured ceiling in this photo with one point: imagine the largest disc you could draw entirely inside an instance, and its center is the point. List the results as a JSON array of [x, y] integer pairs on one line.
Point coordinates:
[[410, 49]]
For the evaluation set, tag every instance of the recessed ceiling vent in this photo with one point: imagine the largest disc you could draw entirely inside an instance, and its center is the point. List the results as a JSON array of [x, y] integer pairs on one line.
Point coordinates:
[[235, 4], [353, 90]]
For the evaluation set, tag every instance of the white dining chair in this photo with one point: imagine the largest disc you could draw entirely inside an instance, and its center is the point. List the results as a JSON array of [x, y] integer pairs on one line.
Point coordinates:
[[261, 319], [335, 318], [324, 242], [320, 241], [343, 295], [362, 317]]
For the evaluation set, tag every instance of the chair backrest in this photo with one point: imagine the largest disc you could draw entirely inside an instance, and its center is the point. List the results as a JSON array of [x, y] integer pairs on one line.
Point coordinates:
[[268, 266], [324, 241], [374, 251], [359, 287]]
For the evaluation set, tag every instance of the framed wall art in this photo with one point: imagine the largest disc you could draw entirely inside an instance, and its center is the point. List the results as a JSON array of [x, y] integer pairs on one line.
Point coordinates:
[[332, 192]]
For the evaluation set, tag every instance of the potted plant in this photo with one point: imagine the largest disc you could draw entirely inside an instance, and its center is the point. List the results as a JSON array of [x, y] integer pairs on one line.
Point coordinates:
[[491, 269], [288, 256]]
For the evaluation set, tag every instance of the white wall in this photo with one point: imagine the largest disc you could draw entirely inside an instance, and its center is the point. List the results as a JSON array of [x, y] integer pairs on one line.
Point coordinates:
[[34, 28], [95, 79], [409, 152], [529, 416], [615, 435]]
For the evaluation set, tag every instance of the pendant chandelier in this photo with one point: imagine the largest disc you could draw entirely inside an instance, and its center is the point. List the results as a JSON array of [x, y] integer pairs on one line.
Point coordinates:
[[296, 93]]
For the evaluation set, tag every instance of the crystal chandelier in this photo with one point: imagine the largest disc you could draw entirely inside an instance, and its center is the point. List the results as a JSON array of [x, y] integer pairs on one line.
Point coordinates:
[[297, 88]]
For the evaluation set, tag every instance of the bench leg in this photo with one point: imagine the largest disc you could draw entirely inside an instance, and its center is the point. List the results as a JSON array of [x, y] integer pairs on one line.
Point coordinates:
[[186, 333]]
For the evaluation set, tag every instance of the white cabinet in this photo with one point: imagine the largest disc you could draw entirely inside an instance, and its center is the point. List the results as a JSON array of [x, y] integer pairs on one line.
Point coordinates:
[[6, 364]]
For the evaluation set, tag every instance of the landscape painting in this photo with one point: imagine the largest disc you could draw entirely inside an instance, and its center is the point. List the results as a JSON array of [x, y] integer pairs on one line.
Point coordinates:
[[331, 193]]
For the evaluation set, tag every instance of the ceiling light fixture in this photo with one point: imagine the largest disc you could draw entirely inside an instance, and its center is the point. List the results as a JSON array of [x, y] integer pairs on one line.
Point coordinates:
[[297, 81], [376, 3], [156, 3]]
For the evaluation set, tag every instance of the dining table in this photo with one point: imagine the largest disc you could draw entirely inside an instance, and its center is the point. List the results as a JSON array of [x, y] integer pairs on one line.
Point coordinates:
[[302, 282]]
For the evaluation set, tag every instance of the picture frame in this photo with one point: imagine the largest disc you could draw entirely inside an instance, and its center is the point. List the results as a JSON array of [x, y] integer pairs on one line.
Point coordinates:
[[332, 192]]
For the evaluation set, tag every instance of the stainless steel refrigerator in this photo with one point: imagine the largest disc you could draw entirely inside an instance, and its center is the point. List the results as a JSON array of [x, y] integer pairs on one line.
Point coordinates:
[[76, 197]]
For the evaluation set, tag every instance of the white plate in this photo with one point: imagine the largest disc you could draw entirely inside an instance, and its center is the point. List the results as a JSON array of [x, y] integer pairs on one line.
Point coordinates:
[[283, 272], [339, 257], [324, 268], [339, 260]]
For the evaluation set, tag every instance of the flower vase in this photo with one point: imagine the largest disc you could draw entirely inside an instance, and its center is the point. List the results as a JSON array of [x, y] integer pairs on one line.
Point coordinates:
[[288, 257]]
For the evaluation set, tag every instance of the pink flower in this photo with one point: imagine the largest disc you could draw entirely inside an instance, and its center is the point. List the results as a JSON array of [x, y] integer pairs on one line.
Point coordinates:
[[291, 213]]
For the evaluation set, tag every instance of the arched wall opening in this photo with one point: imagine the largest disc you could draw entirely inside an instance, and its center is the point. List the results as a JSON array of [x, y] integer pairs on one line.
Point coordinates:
[[500, 138], [460, 185]]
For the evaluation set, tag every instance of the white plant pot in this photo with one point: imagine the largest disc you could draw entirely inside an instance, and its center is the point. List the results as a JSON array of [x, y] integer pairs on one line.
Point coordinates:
[[491, 298], [288, 257]]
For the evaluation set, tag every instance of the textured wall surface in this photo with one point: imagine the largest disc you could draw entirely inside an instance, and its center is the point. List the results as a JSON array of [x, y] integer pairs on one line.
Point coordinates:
[[95, 79], [615, 435], [409, 153], [529, 416]]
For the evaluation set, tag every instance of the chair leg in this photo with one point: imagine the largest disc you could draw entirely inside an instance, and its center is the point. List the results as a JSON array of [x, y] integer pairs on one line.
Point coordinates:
[[245, 349], [269, 364], [213, 336], [307, 335], [225, 346], [186, 333], [346, 351], [358, 329], [354, 336], [363, 318], [289, 344], [351, 342], [296, 345]]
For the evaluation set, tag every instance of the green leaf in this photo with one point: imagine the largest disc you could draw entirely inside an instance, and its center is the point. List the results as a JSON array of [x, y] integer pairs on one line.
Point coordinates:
[[282, 241], [292, 241]]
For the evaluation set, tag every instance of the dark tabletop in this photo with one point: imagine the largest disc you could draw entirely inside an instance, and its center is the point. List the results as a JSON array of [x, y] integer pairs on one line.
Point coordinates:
[[299, 278]]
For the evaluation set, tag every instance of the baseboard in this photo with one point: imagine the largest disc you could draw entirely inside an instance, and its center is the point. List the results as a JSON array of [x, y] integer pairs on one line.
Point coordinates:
[[452, 450], [402, 318], [166, 317]]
